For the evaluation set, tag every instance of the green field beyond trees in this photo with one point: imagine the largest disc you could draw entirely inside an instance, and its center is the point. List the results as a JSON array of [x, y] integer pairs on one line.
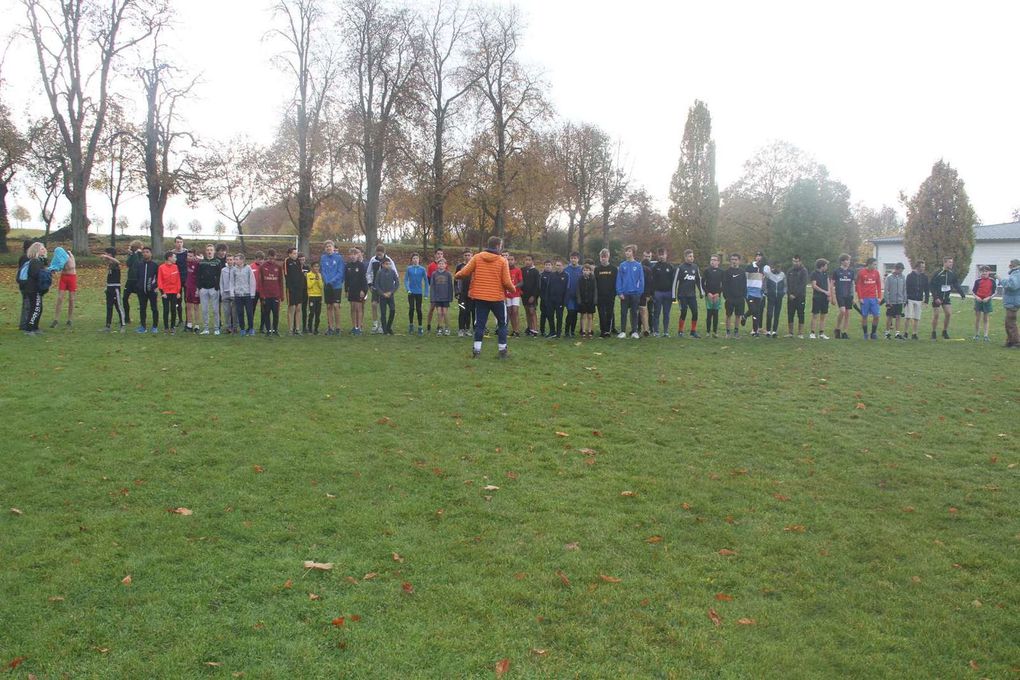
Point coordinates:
[[652, 508]]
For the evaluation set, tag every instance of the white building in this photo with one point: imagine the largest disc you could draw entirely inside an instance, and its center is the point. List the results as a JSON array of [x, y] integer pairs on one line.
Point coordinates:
[[994, 245]]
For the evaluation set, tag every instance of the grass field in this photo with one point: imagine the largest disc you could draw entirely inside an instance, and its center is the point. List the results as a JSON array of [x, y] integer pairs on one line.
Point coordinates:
[[767, 508]]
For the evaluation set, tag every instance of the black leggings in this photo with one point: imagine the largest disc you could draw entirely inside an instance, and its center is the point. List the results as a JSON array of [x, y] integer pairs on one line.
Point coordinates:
[[129, 289], [170, 311], [754, 307], [34, 304], [465, 315], [688, 302], [271, 314], [413, 306], [386, 311], [113, 305], [711, 320], [795, 306], [314, 313], [606, 314], [775, 307], [146, 300]]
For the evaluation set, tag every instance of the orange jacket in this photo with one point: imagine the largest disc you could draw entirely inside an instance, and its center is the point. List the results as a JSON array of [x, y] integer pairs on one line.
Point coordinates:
[[490, 277], [168, 278]]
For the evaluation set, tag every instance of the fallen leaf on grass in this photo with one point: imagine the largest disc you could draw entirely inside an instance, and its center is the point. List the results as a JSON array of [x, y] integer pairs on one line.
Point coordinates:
[[726, 552], [796, 528], [723, 597], [338, 621], [350, 579], [383, 421], [398, 558], [511, 475], [258, 469], [610, 579], [590, 460], [685, 506], [953, 511], [586, 452], [860, 406], [288, 584], [407, 588], [746, 622], [654, 539], [572, 546], [17, 661], [318, 566], [16, 511], [313, 597], [628, 494], [126, 580], [539, 652], [596, 433], [369, 576], [908, 508], [490, 487], [214, 664], [563, 578], [502, 667], [329, 495], [562, 434], [974, 665], [180, 511], [56, 598], [714, 616], [780, 497]]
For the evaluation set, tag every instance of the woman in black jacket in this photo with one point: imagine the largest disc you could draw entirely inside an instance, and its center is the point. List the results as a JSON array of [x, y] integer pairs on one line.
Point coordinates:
[[32, 291]]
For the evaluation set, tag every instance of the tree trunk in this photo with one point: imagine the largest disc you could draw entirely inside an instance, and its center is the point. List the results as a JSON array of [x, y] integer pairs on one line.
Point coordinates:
[[113, 227], [438, 184], [5, 224], [80, 224], [240, 234], [605, 227], [373, 189]]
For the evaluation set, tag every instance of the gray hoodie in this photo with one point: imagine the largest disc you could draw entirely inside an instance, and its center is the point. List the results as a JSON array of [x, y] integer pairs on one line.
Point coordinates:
[[896, 289], [386, 281], [242, 281]]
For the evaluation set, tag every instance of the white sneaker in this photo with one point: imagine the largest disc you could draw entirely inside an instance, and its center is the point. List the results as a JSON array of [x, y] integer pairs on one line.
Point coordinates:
[[800, 337], [790, 335], [823, 336], [621, 336], [205, 332], [216, 332], [812, 336], [635, 336]]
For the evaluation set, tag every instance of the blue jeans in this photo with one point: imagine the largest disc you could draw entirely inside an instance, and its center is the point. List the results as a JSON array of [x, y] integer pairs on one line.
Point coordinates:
[[244, 309], [498, 309], [663, 306]]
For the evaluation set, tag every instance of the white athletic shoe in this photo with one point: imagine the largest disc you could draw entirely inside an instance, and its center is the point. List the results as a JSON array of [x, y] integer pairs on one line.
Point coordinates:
[[823, 336], [621, 336], [205, 332], [635, 336], [812, 336]]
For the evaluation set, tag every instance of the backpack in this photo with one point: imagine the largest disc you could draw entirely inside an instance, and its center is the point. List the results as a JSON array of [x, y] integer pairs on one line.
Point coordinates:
[[45, 280], [23, 272]]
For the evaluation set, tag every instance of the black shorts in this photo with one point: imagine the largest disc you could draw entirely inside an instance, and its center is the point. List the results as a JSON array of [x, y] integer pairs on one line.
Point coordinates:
[[843, 302], [331, 295], [296, 297], [735, 307], [441, 305], [354, 295], [645, 300], [820, 304], [894, 311], [585, 309]]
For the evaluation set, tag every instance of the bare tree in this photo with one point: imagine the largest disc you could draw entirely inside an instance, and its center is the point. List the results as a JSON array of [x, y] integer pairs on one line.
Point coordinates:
[[301, 149], [509, 92], [14, 148], [169, 168], [234, 180], [118, 160], [613, 187], [443, 80], [382, 59], [580, 150], [78, 43], [47, 165]]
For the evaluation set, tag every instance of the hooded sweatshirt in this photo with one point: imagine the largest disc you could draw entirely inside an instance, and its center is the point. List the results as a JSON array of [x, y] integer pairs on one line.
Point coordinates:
[[242, 282], [797, 280], [385, 281], [630, 278], [573, 273], [896, 289], [333, 270], [441, 289], [416, 280], [168, 278]]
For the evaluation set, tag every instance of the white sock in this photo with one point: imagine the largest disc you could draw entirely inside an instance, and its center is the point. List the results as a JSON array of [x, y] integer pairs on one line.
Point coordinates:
[[502, 348], [478, 346]]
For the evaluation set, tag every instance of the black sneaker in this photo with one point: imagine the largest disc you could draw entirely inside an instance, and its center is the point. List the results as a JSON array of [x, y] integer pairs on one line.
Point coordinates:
[[934, 335], [475, 353], [504, 354], [945, 335], [913, 336]]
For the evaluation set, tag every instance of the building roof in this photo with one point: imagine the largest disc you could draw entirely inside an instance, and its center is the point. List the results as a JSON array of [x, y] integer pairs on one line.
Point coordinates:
[[1008, 231]]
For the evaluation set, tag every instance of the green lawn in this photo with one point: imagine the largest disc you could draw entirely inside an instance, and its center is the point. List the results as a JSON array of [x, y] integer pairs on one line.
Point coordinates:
[[794, 508]]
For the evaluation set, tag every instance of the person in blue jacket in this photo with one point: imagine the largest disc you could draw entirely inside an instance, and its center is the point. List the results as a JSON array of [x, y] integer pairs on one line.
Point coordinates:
[[416, 283], [573, 272], [630, 284], [556, 297], [333, 270]]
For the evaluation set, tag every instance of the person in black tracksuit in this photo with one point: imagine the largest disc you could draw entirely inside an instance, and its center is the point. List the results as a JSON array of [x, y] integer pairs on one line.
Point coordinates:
[[466, 307], [712, 285], [531, 289], [734, 292], [918, 294], [146, 272], [113, 289], [942, 286], [605, 283], [663, 276], [555, 297], [687, 287], [31, 290], [796, 285], [647, 300]]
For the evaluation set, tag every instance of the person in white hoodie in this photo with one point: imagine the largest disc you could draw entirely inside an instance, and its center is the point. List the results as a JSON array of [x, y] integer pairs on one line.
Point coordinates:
[[227, 319], [242, 288]]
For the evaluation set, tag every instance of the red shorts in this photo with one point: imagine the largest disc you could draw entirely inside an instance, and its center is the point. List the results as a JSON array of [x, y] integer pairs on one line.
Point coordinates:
[[68, 282]]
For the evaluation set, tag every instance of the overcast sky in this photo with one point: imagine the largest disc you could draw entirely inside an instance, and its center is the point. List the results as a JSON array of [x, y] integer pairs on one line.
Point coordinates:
[[877, 91]]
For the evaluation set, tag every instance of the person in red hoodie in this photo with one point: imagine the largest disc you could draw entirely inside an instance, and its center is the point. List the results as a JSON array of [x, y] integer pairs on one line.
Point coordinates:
[[270, 284], [869, 292], [168, 280], [490, 281], [513, 300], [429, 271]]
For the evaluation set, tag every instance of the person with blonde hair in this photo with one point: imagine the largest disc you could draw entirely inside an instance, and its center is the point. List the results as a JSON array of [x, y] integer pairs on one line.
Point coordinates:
[[35, 280]]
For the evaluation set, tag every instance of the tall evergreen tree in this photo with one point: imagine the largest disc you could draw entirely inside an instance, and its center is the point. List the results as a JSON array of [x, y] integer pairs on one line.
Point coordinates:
[[693, 193], [815, 221], [940, 221]]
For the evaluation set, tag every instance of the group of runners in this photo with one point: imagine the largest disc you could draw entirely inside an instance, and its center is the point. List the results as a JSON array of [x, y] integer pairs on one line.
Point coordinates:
[[214, 292]]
